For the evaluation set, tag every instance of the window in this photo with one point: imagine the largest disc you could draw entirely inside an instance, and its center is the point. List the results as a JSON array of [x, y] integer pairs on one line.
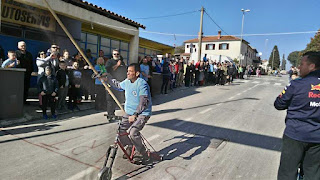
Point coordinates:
[[210, 46], [193, 46], [188, 46], [11, 30], [223, 46]]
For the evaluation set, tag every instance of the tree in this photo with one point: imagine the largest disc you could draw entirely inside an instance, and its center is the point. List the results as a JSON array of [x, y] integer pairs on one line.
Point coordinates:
[[283, 63], [294, 58], [179, 49], [274, 59], [314, 44]]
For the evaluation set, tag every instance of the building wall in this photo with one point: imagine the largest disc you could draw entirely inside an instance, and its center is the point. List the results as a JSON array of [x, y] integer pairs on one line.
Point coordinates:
[[233, 51]]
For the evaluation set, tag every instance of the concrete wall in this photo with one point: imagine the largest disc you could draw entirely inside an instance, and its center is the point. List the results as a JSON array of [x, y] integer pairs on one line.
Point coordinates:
[[74, 28]]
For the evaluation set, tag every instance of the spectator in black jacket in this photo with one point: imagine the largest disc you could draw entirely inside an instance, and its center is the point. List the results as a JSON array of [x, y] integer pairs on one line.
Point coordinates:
[[26, 62], [63, 81], [75, 91], [48, 88]]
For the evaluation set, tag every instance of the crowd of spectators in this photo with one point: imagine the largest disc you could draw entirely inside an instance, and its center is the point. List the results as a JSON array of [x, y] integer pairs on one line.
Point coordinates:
[[61, 76]]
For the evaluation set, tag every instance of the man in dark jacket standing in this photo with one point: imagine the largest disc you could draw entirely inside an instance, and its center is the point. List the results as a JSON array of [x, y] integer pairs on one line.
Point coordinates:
[[26, 62], [301, 139], [118, 70]]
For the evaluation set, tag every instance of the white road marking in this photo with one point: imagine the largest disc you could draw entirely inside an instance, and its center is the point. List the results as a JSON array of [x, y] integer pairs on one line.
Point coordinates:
[[204, 111], [153, 137], [238, 94], [256, 82], [277, 84], [82, 174], [230, 98], [182, 122], [218, 104], [266, 83]]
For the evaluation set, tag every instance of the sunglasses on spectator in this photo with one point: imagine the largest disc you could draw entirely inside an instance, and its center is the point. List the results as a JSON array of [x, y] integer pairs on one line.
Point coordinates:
[[41, 53], [115, 54], [54, 47]]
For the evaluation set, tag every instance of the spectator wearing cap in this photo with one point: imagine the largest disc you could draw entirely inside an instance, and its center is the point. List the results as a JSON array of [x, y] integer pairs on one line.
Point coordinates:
[[48, 88], [26, 62]]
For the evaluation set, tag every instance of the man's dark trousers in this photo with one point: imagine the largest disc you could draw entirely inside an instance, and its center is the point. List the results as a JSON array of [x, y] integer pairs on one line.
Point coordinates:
[[293, 152]]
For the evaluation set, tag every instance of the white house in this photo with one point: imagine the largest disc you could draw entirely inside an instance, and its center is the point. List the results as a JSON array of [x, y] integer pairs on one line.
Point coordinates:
[[221, 48]]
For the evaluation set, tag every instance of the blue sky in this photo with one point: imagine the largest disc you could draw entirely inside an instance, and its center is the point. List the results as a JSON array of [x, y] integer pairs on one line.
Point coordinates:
[[271, 16]]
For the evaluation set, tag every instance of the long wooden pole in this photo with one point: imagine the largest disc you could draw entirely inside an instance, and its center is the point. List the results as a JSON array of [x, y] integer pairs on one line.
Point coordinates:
[[83, 55]]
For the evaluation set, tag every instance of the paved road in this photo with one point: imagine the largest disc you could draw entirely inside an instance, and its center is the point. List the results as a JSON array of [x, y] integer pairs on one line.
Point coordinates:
[[213, 132]]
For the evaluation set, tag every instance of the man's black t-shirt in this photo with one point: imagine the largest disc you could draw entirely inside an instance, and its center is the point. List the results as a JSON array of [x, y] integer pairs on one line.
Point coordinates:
[[120, 73]]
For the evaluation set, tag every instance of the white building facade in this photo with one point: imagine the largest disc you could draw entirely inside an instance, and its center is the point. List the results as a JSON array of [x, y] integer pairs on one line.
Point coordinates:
[[221, 48]]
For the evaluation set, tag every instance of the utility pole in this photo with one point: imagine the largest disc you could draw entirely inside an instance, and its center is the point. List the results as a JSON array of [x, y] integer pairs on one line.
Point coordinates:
[[200, 34]]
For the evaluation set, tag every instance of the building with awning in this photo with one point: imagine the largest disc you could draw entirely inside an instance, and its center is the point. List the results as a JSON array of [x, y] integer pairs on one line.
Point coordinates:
[[91, 26]]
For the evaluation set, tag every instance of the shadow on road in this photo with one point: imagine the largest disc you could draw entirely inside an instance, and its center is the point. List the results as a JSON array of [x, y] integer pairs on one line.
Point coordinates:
[[179, 109], [13, 132], [184, 145], [231, 135]]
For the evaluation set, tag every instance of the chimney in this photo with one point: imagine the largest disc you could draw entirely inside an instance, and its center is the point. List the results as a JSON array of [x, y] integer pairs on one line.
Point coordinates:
[[219, 34]]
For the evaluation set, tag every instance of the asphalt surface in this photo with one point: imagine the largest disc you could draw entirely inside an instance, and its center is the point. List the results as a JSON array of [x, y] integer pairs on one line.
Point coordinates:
[[212, 132]]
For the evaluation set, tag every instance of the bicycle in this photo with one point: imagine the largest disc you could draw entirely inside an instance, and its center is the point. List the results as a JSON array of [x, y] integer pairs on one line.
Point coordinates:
[[105, 172]]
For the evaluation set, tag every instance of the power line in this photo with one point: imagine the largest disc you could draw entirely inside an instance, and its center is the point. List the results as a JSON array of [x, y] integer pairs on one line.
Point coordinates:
[[215, 22], [154, 17], [195, 35]]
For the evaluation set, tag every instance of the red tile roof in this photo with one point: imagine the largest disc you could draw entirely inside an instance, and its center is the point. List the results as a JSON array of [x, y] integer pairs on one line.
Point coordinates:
[[214, 38], [104, 12]]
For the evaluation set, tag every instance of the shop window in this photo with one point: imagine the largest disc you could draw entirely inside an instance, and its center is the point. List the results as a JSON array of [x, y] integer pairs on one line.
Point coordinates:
[[39, 36], [11, 31], [83, 37], [92, 39], [141, 50], [105, 42], [148, 52], [115, 44], [124, 46], [93, 48], [106, 50]]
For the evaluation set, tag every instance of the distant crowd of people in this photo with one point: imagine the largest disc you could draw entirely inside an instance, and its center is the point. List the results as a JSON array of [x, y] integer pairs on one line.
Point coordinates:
[[176, 72]]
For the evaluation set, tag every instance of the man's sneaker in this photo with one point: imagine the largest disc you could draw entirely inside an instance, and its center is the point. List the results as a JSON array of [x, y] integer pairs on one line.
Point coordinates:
[[128, 151], [140, 158], [45, 117]]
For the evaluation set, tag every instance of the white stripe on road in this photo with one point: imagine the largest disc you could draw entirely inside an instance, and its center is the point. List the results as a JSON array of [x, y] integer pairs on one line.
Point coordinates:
[[230, 98], [266, 83], [256, 82], [277, 84], [82, 174], [182, 122], [238, 94], [153, 137], [209, 109]]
